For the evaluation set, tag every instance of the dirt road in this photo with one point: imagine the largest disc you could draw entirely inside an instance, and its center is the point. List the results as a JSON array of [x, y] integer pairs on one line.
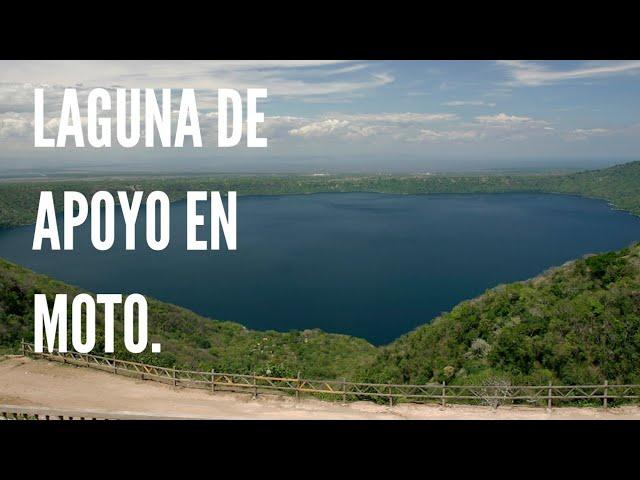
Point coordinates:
[[39, 383]]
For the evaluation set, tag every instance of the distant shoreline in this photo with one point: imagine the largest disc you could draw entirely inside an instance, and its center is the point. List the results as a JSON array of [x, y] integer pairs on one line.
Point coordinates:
[[618, 185]]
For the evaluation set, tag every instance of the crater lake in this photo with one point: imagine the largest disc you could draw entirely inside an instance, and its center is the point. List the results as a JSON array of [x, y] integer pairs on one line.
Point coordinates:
[[370, 265]]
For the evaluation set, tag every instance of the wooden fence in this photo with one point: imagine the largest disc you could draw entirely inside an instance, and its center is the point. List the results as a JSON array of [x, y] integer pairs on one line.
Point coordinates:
[[341, 390]]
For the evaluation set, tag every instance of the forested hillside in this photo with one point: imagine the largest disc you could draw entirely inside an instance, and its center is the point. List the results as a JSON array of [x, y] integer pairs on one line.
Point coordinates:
[[575, 324], [189, 340]]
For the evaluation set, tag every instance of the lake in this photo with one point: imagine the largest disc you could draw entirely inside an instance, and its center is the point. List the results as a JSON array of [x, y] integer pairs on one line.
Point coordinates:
[[370, 265]]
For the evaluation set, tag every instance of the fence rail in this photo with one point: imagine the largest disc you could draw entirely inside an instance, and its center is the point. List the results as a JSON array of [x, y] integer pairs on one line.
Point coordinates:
[[342, 390]]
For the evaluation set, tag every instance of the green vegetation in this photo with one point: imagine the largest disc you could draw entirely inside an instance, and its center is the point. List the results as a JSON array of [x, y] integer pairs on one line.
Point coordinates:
[[189, 340], [619, 185], [576, 324]]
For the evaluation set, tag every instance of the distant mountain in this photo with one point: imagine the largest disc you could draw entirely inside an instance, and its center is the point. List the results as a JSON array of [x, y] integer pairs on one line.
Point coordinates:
[[575, 324]]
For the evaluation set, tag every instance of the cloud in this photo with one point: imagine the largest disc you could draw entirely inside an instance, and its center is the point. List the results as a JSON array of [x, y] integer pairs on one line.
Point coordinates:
[[319, 129], [590, 131], [502, 119], [290, 78], [327, 81], [446, 135], [523, 73], [14, 125], [406, 117], [503, 127], [579, 134], [499, 128], [364, 125], [468, 103], [277, 126], [411, 127], [16, 97]]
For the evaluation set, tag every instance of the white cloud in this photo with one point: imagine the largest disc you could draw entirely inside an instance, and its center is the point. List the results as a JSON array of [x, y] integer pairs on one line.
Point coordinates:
[[406, 117], [411, 127], [446, 135], [468, 103], [276, 127], [364, 125], [364, 131], [585, 133], [303, 80], [503, 127], [319, 129], [526, 73], [590, 131], [291, 78], [13, 125], [16, 97], [502, 119]]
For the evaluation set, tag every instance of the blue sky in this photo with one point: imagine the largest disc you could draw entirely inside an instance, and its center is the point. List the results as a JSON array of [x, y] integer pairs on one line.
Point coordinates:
[[352, 116]]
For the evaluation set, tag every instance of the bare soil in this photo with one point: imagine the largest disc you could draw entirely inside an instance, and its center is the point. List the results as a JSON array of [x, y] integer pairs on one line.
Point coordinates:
[[39, 383]]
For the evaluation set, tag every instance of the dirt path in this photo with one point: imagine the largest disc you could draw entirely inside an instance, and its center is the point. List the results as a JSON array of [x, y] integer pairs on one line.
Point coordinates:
[[39, 383]]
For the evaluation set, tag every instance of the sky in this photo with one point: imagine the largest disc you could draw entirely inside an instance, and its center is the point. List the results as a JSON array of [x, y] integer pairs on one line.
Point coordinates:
[[350, 116]]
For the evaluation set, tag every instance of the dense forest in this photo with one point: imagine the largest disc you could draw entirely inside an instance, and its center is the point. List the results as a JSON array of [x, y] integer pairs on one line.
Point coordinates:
[[575, 324]]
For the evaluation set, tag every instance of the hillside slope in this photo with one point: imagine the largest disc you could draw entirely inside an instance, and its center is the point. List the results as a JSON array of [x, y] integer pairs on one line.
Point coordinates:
[[620, 185], [189, 340], [575, 324]]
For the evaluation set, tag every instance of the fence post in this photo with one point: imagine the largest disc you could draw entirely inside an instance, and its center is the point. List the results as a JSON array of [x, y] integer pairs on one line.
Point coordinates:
[[390, 396], [344, 390], [444, 394], [298, 387], [213, 380], [606, 392], [22, 347], [549, 393], [175, 377], [115, 365], [255, 386]]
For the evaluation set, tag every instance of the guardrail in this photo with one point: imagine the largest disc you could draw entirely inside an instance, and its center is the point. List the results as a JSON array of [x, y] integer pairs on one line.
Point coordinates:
[[342, 390]]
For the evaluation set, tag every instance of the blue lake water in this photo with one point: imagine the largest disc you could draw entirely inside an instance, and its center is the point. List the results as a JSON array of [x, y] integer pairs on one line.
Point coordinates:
[[369, 265]]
